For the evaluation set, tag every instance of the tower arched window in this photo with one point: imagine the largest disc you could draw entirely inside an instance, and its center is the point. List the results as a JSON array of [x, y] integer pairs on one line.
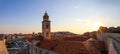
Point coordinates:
[[47, 26]]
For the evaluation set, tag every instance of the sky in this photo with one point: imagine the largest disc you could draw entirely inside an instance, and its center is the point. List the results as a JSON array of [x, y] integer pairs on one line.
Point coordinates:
[[77, 16]]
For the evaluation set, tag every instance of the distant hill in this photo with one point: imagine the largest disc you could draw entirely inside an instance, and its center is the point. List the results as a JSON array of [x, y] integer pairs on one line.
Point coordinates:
[[65, 33]]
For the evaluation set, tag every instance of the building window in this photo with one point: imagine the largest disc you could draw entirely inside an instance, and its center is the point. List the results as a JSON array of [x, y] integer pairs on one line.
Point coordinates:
[[47, 26]]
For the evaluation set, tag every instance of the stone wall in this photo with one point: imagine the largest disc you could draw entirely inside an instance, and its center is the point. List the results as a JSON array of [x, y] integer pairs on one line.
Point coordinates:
[[108, 42], [3, 49], [111, 49], [33, 49], [91, 48], [43, 51]]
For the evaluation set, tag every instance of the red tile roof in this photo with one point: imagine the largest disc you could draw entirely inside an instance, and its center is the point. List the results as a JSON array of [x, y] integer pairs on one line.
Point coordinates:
[[29, 38], [71, 48], [81, 38], [98, 45], [48, 44], [63, 47]]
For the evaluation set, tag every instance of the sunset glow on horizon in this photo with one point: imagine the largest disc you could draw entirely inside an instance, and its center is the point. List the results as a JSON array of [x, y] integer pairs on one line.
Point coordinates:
[[96, 25], [77, 16]]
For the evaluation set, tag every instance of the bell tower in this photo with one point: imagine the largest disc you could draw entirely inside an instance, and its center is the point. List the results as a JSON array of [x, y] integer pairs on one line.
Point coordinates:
[[46, 26]]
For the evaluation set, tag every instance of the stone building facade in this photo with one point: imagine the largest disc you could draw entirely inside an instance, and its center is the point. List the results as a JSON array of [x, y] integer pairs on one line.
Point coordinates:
[[46, 26]]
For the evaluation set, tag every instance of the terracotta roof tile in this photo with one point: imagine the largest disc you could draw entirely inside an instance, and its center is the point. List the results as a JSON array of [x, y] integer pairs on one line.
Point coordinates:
[[64, 47], [81, 38], [48, 44], [96, 44], [71, 48]]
